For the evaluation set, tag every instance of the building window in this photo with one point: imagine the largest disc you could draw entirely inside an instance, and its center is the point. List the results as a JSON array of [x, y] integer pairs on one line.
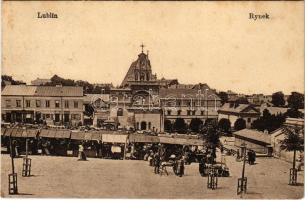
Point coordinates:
[[57, 104], [202, 112], [188, 112], [8, 103], [179, 112], [75, 104], [47, 103], [66, 104], [138, 125], [38, 103], [169, 112], [193, 112], [249, 120], [28, 103], [120, 112], [149, 125], [75, 116], [18, 103], [48, 116]]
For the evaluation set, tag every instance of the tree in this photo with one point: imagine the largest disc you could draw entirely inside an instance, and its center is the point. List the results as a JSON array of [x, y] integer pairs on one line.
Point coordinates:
[[224, 97], [180, 126], [278, 99], [224, 125], [294, 141], [239, 124], [296, 100], [294, 113], [211, 136], [196, 124], [168, 126], [11, 80], [268, 122]]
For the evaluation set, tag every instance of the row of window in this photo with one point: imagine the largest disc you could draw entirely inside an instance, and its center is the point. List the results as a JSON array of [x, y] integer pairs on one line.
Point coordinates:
[[38, 103], [56, 117], [188, 112], [189, 103]]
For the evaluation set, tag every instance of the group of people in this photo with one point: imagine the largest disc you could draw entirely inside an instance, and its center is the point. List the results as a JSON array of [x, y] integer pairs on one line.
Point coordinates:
[[160, 166], [251, 157]]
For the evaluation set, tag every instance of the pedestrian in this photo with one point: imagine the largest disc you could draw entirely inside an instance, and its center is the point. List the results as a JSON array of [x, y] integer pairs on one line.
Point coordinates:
[[81, 153], [237, 155], [254, 157], [157, 163], [181, 170]]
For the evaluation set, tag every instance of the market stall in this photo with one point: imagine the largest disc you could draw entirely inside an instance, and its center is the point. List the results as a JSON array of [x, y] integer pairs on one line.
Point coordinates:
[[113, 145]]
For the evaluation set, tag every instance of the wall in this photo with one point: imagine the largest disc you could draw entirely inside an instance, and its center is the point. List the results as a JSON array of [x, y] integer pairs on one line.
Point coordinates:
[[153, 118]]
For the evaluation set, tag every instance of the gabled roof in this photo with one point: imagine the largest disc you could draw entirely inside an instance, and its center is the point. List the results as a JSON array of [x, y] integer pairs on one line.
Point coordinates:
[[254, 135], [30, 90], [238, 108]]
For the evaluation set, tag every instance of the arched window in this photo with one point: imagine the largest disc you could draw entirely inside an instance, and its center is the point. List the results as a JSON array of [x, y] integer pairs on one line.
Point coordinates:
[[137, 126], [142, 77], [147, 76], [120, 112], [136, 76]]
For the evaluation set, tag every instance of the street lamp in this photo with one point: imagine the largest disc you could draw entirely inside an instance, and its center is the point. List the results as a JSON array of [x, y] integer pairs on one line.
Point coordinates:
[[242, 182]]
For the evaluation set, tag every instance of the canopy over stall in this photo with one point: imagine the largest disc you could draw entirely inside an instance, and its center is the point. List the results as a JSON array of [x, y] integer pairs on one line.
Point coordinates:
[[32, 132], [63, 134], [114, 138], [18, 132], [3, 131], [137, 138], [195, 142], [8, 132], [78, 135], [170, 140], [48, 133], [93, 135]]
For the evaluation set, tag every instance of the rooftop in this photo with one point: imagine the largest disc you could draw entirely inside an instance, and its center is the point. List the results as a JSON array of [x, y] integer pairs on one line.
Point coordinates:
[[30, 90], [238, 108], [254, 135]]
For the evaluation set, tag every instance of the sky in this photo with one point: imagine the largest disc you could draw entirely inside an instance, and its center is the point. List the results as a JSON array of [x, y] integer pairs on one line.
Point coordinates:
[[208, 42]]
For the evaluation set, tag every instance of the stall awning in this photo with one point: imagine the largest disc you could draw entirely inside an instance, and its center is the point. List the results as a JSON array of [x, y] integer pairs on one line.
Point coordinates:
[[114, 138], [49, 133], [143, 138], [8, 132], [169, 140], [32, 132], [3, 131], [78, 135], [63, 133], [96, 135], [195, 142], [18, 132]]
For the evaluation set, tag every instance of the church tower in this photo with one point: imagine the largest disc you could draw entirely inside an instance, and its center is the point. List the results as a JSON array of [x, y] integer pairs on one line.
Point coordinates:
[[139, 71]]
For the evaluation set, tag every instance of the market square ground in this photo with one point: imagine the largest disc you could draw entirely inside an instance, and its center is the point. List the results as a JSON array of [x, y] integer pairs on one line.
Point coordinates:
[[60, 177]]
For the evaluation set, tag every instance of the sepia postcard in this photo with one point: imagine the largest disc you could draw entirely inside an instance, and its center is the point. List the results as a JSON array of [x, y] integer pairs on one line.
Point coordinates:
[[152, 99]]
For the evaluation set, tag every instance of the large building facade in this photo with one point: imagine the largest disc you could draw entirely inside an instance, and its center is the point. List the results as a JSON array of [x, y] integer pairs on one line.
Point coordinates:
[[143, 102], [36, 104]]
